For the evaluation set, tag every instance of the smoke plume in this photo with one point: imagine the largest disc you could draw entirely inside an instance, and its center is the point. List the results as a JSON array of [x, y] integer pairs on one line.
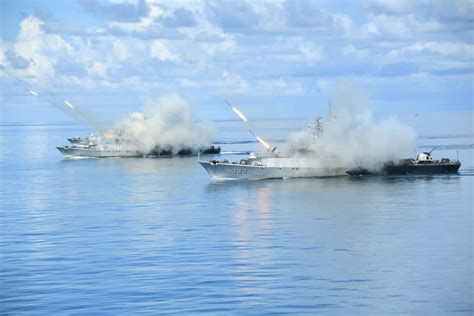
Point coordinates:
[[353, 137], [163, 125]]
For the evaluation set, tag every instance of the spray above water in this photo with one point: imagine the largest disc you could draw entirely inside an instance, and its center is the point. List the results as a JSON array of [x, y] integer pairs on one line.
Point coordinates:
[[352, 136], [165, 125]]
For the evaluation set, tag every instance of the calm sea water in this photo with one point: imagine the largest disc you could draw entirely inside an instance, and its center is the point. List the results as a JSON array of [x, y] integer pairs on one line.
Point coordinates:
[[149, 236]]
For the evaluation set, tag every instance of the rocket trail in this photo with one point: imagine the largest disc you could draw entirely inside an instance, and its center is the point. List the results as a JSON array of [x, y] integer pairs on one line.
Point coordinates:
[[264, 143], [245, 119], [32, 92], [78, 113], [240, 114], [261, 141], [236, 111]]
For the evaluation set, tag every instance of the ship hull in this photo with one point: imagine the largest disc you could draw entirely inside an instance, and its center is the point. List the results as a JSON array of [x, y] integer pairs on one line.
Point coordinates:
[[411, 169], [231, 171], [98, 153], [422, 169]]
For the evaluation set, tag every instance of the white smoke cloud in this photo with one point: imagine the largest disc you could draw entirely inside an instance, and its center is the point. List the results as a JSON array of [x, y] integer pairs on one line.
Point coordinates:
[[353, 137], [166, 124]]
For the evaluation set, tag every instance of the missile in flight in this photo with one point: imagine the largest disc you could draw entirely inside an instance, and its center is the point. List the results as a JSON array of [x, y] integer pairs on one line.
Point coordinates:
[[32, 92], [236, 111], [69, 104], [241, 115]]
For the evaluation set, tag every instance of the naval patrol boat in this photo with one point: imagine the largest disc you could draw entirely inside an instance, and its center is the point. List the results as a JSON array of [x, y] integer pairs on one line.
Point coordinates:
[[303, 163], [423, 164], [254, 168], [94, 149]]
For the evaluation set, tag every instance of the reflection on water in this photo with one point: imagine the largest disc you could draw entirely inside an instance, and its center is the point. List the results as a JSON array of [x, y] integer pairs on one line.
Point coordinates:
[[116, 236]]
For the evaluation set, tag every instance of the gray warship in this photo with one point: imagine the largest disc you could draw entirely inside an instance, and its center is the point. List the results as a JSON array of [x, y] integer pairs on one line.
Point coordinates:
[[91, 148], [423, 164], [255, 168], [94, 150], [305, 163]]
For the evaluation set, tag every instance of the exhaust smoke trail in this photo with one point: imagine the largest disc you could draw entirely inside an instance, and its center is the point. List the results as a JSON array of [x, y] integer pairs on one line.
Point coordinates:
[[236, 111], [32, 92], [261, 141], [69, 104], [79, 113], [241, 115], [264, 143]]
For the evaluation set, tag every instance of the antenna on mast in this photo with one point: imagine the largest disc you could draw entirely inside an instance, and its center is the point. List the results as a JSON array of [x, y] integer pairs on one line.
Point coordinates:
[[330, 108]]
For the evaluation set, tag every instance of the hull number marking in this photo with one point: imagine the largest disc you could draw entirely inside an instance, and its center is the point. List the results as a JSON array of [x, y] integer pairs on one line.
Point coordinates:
[[239, 171]]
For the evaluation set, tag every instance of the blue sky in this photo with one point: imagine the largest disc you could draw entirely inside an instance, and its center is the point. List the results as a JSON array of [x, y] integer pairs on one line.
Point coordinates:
[[272, 58]]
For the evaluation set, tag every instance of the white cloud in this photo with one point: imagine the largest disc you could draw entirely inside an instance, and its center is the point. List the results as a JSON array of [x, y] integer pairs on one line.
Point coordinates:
[[120, 50], [233, 83], [344, 22], [270, 51], [405, 27], [46, 53], [284, 87], [40, 49], [393, 6], [271, 14], [186, 83], [134, 2], [98, 69], [212, 50], [311, 52], [368, 31], [3, 57], [129, 27], [354, 51], [30, 28], [323, 85], [389, 26], [275, 83], [159, 50], [457, 50]]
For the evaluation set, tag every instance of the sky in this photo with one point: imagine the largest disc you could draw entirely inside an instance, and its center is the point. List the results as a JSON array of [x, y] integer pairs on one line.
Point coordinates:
[[271, 58]]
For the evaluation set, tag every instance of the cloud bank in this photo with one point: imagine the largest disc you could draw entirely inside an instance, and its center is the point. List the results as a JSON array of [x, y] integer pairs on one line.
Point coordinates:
[[253, 50]]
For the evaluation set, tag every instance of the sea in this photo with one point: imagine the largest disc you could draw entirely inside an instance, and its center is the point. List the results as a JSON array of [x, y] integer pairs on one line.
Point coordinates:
[[141, 236]]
